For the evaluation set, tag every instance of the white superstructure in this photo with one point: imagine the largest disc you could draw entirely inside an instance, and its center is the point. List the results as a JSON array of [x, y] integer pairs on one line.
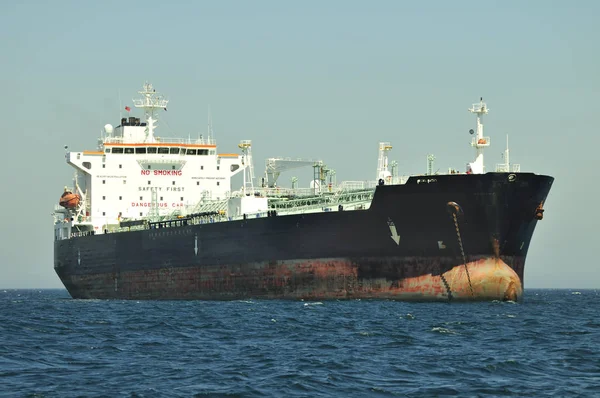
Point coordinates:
[[134, 170]]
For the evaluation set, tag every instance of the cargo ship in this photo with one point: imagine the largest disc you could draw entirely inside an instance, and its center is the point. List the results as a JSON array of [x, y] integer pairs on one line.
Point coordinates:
[[157, 218]]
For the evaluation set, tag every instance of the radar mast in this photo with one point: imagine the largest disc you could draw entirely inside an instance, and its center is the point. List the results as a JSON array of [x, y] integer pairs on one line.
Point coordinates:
[[150, 103]]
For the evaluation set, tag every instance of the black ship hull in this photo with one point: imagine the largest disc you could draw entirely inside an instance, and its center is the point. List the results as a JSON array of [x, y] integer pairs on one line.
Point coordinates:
[[457, 237]]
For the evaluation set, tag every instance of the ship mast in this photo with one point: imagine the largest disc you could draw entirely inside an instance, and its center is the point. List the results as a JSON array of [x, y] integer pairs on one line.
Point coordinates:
[[150, 103], [479, 142], [248, 183], [210, 129], [382, 162]]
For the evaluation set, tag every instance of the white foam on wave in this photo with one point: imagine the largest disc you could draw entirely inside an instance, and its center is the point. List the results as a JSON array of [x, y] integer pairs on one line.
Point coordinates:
[[442, 330], [315, 303]]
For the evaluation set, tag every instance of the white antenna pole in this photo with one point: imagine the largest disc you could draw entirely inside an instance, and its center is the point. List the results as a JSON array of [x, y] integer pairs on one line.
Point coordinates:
[[212, 133], [506, 155], [208, 127]]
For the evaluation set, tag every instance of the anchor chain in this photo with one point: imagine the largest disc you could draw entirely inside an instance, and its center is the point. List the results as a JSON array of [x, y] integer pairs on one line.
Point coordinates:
[[462, 251], [445, 282]]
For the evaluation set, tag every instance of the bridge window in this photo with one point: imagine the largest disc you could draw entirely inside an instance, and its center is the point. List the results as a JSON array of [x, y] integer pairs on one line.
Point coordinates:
[[140, 150], [107, 150], [117, 150], [191, 151], [129, 150], [174, 151], [202, 151], [151, 149], [163, 150]]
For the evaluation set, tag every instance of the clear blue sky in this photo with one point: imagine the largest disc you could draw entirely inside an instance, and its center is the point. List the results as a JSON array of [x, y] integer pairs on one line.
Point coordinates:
[[315, 79]]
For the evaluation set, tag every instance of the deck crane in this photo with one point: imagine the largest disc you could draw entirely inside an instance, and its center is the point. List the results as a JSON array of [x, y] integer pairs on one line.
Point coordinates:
[[275, 166]]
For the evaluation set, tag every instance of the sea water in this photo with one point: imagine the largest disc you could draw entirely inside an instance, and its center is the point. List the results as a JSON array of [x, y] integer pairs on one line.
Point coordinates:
[[54, 346]]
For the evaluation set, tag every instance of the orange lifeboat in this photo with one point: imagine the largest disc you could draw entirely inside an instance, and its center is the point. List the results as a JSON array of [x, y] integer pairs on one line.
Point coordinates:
[[482, 141], [69, 200]]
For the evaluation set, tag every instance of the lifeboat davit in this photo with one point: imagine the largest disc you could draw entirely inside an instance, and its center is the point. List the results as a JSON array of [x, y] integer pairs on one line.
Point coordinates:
[[69, 200]]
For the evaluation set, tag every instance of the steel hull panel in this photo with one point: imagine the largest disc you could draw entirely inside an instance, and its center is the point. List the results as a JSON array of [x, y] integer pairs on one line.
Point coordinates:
[[412, 238]]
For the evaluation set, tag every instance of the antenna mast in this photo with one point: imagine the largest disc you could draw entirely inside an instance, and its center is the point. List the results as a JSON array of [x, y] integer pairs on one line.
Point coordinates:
[[507, 154], [506, 166], [209, 126]]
